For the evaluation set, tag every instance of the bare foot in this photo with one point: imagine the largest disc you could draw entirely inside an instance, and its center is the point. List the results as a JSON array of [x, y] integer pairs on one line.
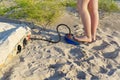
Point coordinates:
[[83, 39]]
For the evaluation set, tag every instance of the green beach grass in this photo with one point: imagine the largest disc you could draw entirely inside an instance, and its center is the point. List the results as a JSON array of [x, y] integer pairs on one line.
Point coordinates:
[[34, 10], [44, 11], [108, 5]]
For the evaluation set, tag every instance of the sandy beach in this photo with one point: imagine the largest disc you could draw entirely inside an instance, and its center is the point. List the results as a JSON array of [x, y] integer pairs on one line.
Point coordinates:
[[41, 60]]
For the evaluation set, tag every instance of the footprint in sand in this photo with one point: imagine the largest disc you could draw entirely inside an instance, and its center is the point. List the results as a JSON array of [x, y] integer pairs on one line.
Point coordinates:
[[111, 55], [81, 75], [111, 72], [77, 53], [103, 70], [102, 46], [111, 51], [109, 66]]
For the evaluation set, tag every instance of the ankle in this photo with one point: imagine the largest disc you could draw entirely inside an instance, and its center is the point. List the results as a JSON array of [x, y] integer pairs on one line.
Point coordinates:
[[93, 38]]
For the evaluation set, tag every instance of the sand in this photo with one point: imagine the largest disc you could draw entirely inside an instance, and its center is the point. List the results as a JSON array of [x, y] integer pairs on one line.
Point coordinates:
[[42, 60]]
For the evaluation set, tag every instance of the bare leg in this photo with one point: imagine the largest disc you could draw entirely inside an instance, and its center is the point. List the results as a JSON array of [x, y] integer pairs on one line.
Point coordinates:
[[86, 20], [93, 10]]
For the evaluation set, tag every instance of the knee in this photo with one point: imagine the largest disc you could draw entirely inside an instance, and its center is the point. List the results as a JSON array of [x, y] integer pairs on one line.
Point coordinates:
[[81, 9], [94, 12]]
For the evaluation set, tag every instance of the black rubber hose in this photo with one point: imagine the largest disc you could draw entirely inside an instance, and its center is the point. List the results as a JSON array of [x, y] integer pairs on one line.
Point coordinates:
[[57, 28]]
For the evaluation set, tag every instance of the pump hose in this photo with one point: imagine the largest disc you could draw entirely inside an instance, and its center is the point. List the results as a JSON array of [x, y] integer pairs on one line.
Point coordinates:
[[59, 39]]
